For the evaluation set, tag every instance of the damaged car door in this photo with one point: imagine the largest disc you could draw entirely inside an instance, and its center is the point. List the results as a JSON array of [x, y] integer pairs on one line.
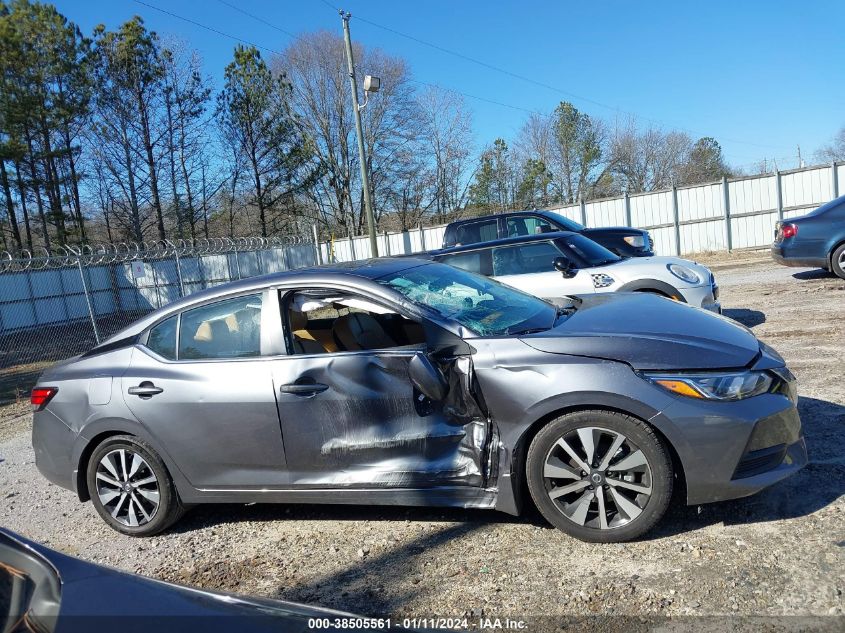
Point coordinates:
[[349, 413]]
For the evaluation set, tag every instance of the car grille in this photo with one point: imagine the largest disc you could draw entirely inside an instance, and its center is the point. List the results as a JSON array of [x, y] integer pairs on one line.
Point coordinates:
[[756, 462]]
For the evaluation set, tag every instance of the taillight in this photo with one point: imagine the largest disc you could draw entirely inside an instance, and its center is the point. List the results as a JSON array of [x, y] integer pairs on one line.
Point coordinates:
[[40, 396], [788, 230]]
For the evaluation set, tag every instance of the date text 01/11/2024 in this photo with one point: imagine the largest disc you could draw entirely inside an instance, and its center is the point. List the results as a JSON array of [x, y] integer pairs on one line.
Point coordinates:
[[502, 624]]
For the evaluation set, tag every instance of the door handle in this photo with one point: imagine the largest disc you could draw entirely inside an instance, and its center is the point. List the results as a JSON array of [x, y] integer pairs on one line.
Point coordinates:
[[145, 390], [303, 389]]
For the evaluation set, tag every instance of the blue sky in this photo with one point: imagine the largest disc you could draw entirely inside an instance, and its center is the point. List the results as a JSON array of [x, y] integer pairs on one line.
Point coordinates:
[[761, 77]]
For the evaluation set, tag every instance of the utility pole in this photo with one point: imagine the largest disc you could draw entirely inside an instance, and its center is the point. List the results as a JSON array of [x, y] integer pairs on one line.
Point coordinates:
[[365, 180]]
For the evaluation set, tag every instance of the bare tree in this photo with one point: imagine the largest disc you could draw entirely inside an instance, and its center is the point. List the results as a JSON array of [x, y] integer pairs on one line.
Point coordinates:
[[447, 138], [649, 159], [835, 150], [316, 66]]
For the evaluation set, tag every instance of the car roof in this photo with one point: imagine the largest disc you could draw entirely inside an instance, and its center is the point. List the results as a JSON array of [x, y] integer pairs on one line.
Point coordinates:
[[368, 269], [508, 214], [504, 241]]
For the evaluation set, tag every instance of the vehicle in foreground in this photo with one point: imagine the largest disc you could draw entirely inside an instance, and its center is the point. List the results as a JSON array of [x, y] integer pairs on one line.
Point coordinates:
[[409, 382], [44, 591], [553, 265], [815, 240], [622, 240]]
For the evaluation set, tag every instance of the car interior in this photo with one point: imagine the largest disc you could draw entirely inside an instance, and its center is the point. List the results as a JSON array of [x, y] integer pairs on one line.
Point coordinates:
[[322, 322], [524, 258], [225, 329], [474, 232]]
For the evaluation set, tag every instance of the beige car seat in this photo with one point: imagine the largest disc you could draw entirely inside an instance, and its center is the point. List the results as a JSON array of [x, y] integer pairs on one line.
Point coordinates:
[[303, 341], [360, 331]]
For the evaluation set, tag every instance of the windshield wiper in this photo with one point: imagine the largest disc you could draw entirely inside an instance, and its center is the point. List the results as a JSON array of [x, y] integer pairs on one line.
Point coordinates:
[[528, 330]]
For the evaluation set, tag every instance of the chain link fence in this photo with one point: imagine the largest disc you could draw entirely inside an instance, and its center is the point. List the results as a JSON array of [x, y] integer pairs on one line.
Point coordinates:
[[56, 305]]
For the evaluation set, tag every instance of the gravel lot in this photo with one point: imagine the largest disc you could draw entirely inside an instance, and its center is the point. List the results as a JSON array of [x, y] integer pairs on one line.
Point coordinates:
[[781, 552]]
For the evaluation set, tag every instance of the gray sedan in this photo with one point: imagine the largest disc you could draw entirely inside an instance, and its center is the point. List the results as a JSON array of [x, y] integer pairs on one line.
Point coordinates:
[[406, 382]]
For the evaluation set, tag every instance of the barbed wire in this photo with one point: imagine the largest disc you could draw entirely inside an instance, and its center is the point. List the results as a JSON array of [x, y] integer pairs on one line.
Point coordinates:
[[105, 253]]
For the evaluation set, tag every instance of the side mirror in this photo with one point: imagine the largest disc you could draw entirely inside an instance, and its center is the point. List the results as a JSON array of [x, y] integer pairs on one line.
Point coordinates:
[[427, 378], [565, 267]]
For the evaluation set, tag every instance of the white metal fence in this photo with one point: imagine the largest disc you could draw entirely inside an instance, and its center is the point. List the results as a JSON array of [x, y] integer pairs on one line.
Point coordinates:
[[58, 305], [732, 213]]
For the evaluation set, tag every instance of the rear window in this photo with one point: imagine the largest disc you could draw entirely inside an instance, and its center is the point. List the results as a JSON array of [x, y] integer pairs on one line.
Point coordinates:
[[833, 204]]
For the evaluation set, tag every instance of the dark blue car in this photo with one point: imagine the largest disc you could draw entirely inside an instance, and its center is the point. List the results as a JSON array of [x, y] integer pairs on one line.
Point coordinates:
[[813, 240]]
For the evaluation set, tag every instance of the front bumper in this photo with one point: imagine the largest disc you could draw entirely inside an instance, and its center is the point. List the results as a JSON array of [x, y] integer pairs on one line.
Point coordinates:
[[704, 296], [734, 449]]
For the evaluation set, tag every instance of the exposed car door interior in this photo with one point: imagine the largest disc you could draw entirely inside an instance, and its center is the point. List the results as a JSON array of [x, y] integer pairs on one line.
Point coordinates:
[[200, 382], [530, 267], [349, 413]]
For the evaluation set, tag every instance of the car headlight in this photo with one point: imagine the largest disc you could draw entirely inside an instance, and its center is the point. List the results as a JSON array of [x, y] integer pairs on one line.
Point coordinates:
[[685, 274], [715, 386], [637, 241]]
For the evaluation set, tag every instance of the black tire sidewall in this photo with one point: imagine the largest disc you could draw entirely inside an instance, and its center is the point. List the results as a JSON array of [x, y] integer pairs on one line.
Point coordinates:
[[168, 510], [835, 268], [641, 434]]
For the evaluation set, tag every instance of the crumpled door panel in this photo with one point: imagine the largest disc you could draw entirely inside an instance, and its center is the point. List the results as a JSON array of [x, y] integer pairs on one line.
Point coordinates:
[[371, 428]]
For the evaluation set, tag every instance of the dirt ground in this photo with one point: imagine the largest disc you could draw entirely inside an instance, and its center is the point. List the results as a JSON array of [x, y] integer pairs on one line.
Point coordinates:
[[779, 553]]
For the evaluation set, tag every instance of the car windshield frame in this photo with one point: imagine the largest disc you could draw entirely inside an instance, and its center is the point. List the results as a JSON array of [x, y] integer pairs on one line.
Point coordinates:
[[455, 295]]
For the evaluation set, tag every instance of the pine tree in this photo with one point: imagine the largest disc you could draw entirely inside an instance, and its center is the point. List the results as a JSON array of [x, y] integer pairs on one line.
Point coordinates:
[[254, 108]]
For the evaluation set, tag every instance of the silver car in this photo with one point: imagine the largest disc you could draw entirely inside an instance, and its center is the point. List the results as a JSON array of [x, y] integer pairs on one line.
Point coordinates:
[[552, 265], [402, 381]]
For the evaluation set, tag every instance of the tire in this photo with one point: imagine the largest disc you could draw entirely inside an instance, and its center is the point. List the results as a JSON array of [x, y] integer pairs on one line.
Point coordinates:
[[635, 498], [131, 488], [837, 261]]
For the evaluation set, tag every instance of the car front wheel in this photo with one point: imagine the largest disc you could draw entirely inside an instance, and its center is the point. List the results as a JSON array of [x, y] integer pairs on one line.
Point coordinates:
[[131, 488], [600, 476], [837, 262]]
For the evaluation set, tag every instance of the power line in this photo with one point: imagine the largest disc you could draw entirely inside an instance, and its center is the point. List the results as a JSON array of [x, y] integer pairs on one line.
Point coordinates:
[[207, 28], [530, 80], [270, 50], [276, 52], [257, 18]]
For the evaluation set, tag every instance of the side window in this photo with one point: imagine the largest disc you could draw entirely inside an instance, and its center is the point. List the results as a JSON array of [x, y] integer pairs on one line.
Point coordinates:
[[325, 322], [162, 338], [474, 232], [527, 225], [521, 259], [226, 329], [474, 261]]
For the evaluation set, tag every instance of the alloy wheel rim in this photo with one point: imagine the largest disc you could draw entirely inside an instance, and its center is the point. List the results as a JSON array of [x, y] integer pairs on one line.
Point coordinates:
[[842, 260], [127, 487], [597, 478]]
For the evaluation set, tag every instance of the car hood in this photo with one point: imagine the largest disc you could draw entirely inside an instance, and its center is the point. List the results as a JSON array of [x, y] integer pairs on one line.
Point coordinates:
[[657, 266], [649, 332]]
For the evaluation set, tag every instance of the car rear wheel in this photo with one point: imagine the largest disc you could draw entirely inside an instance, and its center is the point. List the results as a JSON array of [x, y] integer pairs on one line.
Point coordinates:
[[131, 488], [600, 476], [837, 262]]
